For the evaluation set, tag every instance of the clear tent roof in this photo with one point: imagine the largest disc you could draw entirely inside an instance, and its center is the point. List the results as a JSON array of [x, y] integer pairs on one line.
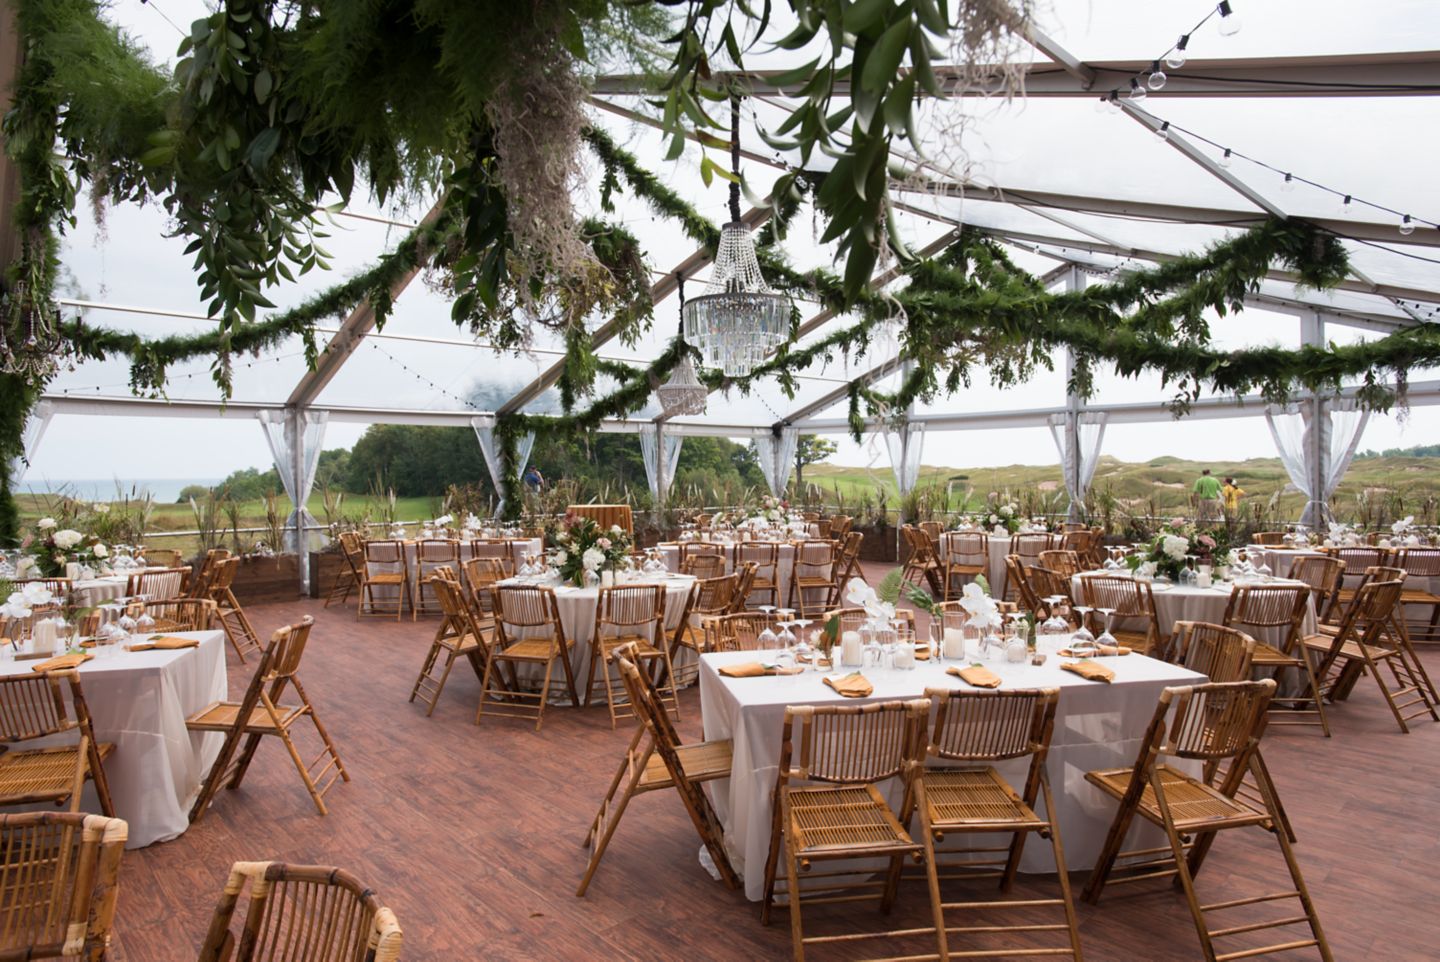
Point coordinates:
[[1075, 186]]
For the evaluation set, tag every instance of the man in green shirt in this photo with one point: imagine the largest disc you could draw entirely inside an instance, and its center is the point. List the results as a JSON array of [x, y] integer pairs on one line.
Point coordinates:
[[1207, 496]]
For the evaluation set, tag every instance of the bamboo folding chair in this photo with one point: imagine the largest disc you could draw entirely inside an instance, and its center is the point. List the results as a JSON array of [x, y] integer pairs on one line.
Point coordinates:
[[161, 557], [61, 590], [200, 583], [1017, 576], [966, 556], [1325, 576], [1130, 600], [158, 585], [847, 565], [852, 619], [812, 572], [498, 548], [633, 616], [481, 574], [1283, 608], [181, 614], [59, 878], [261, 713], [1085, 543], [1062, 561], [1421, 565], [392, 555], [765, 556], [33, 706], [1357, 558], [431, 553], [979, 729], [347, 578], [1268, 539], [840, 526], [691, 550], [655, 760], [1211, 724], [460, 635], [1046, 584], [297, 912], [828, 805], [1028, 547], [708, 598], [1358, 643], [739, 631], [228, 611], [923, 563], [1219, 652], [528, 631], [704, 566]]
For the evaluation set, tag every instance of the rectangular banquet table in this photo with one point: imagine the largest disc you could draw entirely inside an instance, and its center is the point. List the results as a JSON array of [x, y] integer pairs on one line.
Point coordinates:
[[138, 701], [1096, 726]]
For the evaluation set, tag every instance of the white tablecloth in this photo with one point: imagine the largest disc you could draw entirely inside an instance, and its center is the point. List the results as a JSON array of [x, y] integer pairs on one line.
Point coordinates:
[[1280, 560], [138, 701], [577, 615], [998, 547], [670, 553], [1096, 726], [521, 548], [90, 592]]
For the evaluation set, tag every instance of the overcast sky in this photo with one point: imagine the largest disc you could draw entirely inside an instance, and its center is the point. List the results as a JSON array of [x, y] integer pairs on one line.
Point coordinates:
[[1378, 149]]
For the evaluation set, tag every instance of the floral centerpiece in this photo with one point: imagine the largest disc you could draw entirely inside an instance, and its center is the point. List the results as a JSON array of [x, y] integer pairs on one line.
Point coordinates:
[[1167, 553], [583, 547], [49, 548], [1002, 517]]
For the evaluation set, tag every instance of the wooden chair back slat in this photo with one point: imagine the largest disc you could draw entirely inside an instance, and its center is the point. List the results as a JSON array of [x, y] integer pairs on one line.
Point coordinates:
[[849, 744], [58, 884], [181, 614], [32, 706], [159, 585], [991, 726], [1218, 652], [735, 632]]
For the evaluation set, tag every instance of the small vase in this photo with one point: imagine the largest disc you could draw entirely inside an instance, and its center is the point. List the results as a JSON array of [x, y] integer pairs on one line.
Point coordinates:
[[607, 578]]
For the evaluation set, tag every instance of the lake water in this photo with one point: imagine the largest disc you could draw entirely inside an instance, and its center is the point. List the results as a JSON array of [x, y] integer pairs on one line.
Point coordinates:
[[163, 490]]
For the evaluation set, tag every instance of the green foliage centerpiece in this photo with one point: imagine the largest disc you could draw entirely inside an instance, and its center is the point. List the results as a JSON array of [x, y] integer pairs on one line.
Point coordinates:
[[1167, 552]]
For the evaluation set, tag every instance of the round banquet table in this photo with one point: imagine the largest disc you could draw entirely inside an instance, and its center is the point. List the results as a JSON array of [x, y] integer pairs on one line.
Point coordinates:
[[998, 548], [1187, 603], [522, 547], [1280, 561], [785, 561], [577, 616], [138, 702], [1097, 726]]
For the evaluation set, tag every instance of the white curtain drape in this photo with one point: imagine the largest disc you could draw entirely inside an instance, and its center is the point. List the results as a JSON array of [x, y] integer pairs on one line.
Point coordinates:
[[777, 457], [35, 424], [295, 441], [484, 426], [905, 446], [1090, 435], [650, 441], [1316, 465]]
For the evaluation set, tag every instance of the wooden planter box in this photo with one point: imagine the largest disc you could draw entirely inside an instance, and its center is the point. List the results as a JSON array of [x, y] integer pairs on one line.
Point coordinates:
[[263, 580], [879, 543], [324, 567]]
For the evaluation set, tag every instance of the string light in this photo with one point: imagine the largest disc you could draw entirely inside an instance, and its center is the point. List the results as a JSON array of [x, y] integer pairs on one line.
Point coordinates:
[[1162, 133], [1153, 77], [1224, 158], [1175, 59], [1137, 91], [1229, 22], [1288, 184], [1157, 77], [1407, 227]]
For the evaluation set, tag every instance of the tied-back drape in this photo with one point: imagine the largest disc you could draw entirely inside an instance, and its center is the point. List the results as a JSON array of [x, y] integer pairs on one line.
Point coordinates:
[[660, 473], [776, 453], [35, 424], [295, 439], [1316, 452], [905, 445], [1079, 464], [484, 426]]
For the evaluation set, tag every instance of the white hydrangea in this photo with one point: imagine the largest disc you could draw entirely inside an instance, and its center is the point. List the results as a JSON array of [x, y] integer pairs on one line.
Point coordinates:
[[100, 551], [592, 559], [67, 538], [561, 557], [1175, 546], [45, 524]]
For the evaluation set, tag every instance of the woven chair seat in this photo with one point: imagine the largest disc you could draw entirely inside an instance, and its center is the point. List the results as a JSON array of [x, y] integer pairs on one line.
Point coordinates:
[[643, 646], [386, 578], [850, 820], [42, 773], [1350, 649], [702, 762], [975, 798], [468, 642], [540, 649], [1418, 596], [1193, 804], [221, 717], [967, 569], [1268, 656], [813, 581]]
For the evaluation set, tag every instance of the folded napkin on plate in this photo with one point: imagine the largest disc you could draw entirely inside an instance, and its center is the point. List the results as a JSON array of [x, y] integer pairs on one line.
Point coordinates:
[[1090, 670], [977, 675], [164, 643], [753, 669], [853, 685], [1101, 650], [63, 662]]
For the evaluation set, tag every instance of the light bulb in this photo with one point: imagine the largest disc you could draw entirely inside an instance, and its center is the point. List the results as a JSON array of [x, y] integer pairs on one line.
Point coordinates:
[[1157, 79], [1137, 92], [1112, 103], [1101, 103], [1163, 131], [1288, 184], [1175, 59], [1229, 22], [1225, 158], [1345, 206], [1407, 226]]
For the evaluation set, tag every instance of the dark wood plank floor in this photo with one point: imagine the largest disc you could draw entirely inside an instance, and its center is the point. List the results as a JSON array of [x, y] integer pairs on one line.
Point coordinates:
[[472, 835]]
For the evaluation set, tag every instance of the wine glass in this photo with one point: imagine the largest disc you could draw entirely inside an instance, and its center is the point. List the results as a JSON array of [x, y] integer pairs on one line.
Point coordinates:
[[1106, 638], [145, 624], [1083, 634]]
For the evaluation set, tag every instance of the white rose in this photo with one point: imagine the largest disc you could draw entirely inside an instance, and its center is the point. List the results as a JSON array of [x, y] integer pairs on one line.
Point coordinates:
[[615, 529], [1175, 546], [67, 538], [592, 559], [100, 551], [45, 524]]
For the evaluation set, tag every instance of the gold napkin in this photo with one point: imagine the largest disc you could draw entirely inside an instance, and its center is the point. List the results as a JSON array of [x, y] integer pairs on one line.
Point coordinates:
[[977, 675], [164, 643], [63, 662], [1089, 670], [922, 654], [1101, 651], [853, 685], [753, 669]]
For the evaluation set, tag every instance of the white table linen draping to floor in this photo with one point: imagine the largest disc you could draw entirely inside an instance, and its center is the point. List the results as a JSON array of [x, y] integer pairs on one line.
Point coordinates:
[[670, 554], [1097, 726], [138, 701]]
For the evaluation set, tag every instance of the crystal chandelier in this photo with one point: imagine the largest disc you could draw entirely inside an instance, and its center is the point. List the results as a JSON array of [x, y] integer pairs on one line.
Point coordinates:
[[683, 393], [739, 320], [31, 345]]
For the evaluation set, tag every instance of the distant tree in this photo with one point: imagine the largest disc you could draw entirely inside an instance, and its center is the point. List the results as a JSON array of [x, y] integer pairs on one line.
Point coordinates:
[[192, 491], [250, 484], [415, 461], [811, 449]]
